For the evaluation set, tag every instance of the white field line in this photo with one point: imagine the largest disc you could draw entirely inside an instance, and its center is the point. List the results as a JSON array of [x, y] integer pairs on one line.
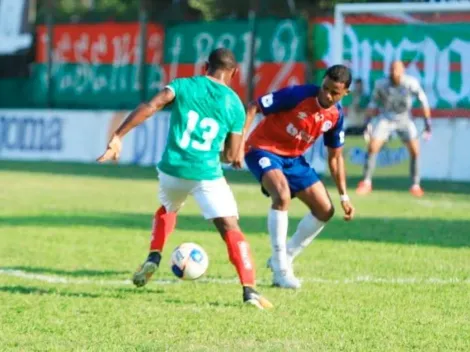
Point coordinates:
[[357, 280]]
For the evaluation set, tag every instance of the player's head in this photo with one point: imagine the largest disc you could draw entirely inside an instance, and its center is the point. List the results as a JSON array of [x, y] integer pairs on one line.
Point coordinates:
[[335, 85], [397, 69], [222, 64]]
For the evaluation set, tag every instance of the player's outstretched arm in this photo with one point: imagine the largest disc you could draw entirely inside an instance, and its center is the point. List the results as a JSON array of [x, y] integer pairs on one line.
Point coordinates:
[[135, 118], [251, 112], [338, 172], [423, 99], [233, 144]]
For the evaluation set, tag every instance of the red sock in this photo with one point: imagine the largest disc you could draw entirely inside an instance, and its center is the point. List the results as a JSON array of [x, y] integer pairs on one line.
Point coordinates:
[[163, 224], [240, 256]]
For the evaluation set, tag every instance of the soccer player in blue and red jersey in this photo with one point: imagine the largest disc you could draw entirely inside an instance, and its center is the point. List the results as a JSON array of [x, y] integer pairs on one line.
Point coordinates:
[[295, 117]]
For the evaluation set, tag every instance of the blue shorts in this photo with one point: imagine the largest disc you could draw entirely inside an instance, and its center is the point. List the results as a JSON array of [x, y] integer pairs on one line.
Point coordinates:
[[298, 172]]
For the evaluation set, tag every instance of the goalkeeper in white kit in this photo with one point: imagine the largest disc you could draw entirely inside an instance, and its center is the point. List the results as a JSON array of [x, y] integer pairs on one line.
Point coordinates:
[[393, 97]]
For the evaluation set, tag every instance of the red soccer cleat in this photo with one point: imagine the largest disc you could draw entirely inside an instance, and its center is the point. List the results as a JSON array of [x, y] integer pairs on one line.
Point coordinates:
[[416, 191], [363, 188]]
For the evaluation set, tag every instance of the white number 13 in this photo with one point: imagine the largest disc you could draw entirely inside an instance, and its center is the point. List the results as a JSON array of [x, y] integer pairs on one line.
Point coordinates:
[[210, 129]]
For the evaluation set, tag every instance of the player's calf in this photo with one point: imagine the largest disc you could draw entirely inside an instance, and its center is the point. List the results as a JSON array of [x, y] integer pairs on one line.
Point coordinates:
[[240, 256], [163, 225]]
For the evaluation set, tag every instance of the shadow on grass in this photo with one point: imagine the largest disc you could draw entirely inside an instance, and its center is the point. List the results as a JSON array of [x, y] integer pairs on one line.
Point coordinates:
[[68, 273], [196, 304], [132, 172], [109, 292], [413, 231], [31, 290]]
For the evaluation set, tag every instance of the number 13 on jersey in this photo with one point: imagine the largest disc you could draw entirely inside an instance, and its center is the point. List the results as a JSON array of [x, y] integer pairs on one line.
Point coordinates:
[[207, 125]]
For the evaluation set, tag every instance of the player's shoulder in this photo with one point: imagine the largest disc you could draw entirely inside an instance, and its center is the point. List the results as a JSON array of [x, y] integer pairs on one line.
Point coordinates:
[[339, 110], [410, 81], [196, 80], [382, 82], [339, 107], [180, 83], [295, 94], [231, 97], [303, 91]]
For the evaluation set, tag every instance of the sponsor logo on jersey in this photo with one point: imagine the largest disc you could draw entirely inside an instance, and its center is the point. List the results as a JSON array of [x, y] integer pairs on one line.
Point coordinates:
[[299, 134], [302, 115], [319, 117]]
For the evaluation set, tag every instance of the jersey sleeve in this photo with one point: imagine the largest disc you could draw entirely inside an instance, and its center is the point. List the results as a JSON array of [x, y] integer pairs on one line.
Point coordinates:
[[175, 86], [238, 116], [285, 99], [334, 138]]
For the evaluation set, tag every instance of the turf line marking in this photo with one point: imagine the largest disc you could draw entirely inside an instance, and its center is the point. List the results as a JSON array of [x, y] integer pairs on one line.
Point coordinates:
[[54, 279]]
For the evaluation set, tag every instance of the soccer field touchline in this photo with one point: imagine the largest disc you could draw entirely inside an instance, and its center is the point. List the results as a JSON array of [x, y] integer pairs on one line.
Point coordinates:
[[55, 279]]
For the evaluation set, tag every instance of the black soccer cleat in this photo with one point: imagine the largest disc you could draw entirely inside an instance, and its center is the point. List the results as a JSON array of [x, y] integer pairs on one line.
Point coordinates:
[[252, 297]]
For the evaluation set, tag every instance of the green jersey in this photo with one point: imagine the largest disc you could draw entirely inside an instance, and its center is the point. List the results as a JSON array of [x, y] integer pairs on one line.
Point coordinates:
[[203, 113]]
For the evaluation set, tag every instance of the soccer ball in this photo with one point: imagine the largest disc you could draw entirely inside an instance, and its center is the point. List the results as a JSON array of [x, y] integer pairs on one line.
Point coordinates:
[[189, 261]]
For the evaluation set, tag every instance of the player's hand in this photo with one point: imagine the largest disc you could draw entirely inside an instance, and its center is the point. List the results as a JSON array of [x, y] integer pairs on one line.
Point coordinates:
[[427, 130], [348, 210], [113, 151], [427, 135], [238, 162]]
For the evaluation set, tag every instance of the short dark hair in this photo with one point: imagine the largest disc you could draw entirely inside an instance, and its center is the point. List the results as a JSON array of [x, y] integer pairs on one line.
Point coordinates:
[[339, 74], [222, 59], [358, 80]]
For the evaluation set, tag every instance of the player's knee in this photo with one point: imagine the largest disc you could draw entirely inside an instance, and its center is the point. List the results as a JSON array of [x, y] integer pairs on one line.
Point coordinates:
[[325, 214], [372, 149], [226, 224], [281, 200], [414, 153]]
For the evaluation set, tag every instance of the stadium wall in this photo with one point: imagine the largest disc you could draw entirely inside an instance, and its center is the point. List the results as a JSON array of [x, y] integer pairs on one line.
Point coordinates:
[[97, 66], [81, 136], [436, 51]]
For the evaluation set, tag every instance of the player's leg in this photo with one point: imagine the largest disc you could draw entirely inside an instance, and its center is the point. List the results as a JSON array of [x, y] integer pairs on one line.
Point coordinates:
[[173, 192], [305, 184], [380, 133], [276, 185], [218, 204], [321, 210], [267, 168], [409, 135]]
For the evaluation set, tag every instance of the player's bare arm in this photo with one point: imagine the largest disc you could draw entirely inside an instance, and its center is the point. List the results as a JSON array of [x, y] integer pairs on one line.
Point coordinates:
[[251, 112], [372, 109], [135, 118], [338, 172], [233, 144], [427, 116]]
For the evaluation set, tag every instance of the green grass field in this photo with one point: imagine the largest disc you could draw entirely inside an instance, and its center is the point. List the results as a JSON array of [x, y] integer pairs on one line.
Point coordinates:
[[395, 279]]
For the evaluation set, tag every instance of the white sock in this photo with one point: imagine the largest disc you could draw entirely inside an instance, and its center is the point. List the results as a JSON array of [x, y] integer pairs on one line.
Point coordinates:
[[309, 228], [278, 223]]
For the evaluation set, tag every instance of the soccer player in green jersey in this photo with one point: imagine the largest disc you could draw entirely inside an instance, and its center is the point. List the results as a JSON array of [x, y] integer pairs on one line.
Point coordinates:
[[207, 117]]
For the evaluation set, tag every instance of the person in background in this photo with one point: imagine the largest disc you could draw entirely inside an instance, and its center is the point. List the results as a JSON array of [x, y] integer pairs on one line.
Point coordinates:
[[391, 102], [357, 110]]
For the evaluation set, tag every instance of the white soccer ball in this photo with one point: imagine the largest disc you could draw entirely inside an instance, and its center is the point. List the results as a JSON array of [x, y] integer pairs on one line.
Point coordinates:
[[189, 261]]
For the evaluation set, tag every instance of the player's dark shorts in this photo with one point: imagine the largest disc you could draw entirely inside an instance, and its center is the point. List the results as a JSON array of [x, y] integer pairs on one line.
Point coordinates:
[[298, 172]]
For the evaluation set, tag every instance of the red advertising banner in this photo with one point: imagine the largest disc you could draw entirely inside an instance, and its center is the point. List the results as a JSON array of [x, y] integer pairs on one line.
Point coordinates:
[[101, 43]]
